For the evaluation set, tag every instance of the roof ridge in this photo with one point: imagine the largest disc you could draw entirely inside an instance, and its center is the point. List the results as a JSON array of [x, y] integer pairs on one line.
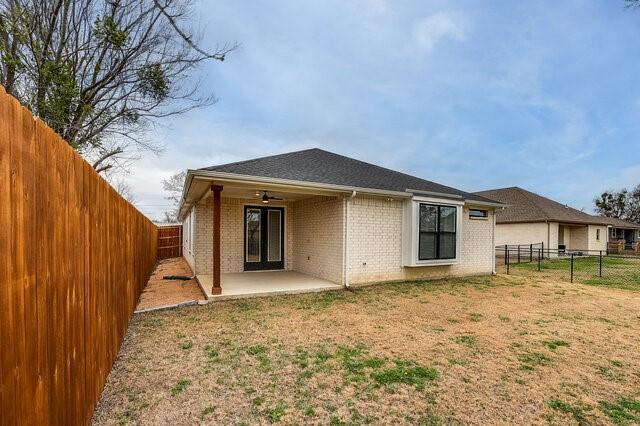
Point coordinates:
[[497, 189], [233, 163]]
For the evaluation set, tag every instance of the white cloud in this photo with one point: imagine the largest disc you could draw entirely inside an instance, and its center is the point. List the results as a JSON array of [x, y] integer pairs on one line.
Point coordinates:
[[428, 31]]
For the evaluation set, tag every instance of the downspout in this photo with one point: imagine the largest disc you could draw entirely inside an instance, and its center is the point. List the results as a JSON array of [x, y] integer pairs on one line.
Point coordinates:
[[493, 244], [549, 235], [345, 256]]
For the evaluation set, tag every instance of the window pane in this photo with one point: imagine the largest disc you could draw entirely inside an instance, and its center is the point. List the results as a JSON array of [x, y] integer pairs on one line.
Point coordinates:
[[447, 245], [428, 217], [253, 235], [273, 248], [427, 245], [447, 219]]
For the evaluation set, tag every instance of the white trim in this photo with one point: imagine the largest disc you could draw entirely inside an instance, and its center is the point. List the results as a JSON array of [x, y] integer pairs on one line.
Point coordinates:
[[222, 177], [231, 177], [411, 226], [284, 207]]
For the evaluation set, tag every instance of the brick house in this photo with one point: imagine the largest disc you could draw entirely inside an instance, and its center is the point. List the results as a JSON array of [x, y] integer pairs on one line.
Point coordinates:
[[529, 218], [330, 217]]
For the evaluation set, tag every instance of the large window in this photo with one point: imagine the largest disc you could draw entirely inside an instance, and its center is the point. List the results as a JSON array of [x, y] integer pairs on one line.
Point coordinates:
[[437, 238]]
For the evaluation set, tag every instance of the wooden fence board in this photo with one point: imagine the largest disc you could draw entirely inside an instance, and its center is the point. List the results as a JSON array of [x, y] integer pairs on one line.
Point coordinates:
[[7, 337], [169, 241], [79, 256]]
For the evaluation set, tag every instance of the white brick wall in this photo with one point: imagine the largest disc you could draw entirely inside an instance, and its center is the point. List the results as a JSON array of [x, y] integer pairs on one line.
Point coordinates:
[[375, 244], [232, 234], [318, 231], [314, 240]]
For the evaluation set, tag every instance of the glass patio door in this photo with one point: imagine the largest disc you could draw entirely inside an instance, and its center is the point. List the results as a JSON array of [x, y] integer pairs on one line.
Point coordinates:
[[263, 238]]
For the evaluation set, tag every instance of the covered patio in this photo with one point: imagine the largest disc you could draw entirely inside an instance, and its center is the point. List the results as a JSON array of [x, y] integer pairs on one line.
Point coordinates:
[[258, 237]]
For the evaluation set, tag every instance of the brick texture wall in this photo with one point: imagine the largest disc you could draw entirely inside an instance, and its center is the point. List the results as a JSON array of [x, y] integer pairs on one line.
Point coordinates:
[[375, 244], [232, 234], [318, 237], [314, 240]]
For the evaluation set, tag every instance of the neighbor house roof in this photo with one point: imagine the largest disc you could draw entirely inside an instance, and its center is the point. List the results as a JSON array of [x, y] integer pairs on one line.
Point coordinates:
[[619, 223], [319, 166], [525, 206]]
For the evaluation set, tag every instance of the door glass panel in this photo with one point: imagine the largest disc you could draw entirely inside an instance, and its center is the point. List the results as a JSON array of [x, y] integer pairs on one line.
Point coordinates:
[[274, 232], [253, 235]]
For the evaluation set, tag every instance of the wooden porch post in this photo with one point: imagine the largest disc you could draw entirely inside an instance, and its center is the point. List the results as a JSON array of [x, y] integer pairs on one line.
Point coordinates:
[[217, 189]]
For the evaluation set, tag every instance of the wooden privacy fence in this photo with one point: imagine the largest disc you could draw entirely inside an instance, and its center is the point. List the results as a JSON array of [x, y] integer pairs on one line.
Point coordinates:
[[169, 241], [74, 258]]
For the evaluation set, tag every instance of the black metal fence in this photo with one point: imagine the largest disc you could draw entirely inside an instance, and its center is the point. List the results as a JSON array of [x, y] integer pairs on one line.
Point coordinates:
[[597, 267]]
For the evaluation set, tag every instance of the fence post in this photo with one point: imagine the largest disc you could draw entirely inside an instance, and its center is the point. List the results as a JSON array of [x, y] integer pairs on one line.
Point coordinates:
[[571, 267], [600, 274], [507, 258], [539, 254], [518, 253], [505, 254], [543, 248], [530, 253]]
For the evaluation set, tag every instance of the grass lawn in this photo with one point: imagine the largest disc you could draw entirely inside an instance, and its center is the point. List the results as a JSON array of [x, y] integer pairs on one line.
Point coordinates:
[[617, 272], [505, 349]]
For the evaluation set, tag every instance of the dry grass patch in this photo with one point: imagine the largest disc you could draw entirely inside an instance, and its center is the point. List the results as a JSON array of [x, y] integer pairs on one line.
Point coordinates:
[[500, 349]]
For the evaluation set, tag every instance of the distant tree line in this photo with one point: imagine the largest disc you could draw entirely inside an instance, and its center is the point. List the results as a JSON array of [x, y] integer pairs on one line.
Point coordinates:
[[623, 204]]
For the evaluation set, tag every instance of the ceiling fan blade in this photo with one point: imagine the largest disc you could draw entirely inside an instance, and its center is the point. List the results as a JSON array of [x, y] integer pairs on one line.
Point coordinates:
[[275, 198]]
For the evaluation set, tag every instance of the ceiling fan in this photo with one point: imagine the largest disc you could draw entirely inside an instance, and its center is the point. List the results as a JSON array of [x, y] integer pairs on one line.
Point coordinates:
[[266, 197]]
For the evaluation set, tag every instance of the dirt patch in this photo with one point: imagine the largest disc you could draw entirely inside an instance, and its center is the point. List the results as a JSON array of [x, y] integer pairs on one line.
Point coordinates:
[[486, 350], [160, 292]]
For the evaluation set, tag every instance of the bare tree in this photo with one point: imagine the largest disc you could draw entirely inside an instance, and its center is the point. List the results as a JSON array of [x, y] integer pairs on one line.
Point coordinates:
[[173, 187], [125, 190], [100, 72]]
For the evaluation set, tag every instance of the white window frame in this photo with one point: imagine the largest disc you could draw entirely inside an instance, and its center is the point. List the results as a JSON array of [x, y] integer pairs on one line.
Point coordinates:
[[411, 231], [597, 234]]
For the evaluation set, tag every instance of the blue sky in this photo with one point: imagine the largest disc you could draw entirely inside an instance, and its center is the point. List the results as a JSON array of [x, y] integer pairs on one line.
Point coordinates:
[[476, 95]]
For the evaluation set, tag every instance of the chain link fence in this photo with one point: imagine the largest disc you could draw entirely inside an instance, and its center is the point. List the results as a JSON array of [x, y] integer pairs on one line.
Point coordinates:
[[596, 267]]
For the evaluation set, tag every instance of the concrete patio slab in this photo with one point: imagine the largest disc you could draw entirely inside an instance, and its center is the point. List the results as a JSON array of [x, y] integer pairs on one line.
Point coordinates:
[[264, 283]]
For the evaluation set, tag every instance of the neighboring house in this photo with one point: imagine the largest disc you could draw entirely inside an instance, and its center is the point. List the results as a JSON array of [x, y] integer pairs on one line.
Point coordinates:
[[331, 217], [531, 218], [621, 230]]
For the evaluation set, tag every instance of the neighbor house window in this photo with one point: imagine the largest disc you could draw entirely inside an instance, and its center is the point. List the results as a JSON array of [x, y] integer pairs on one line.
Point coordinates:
[[437, 232], [597, 235], [478, 214]]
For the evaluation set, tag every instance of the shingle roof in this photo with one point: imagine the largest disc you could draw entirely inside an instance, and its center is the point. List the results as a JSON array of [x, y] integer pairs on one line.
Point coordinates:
[[619, 223], [525, 206], [319, 166]]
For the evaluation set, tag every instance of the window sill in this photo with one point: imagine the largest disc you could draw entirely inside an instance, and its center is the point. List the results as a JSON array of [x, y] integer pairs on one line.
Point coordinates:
[[478, 218], [442, 262]]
